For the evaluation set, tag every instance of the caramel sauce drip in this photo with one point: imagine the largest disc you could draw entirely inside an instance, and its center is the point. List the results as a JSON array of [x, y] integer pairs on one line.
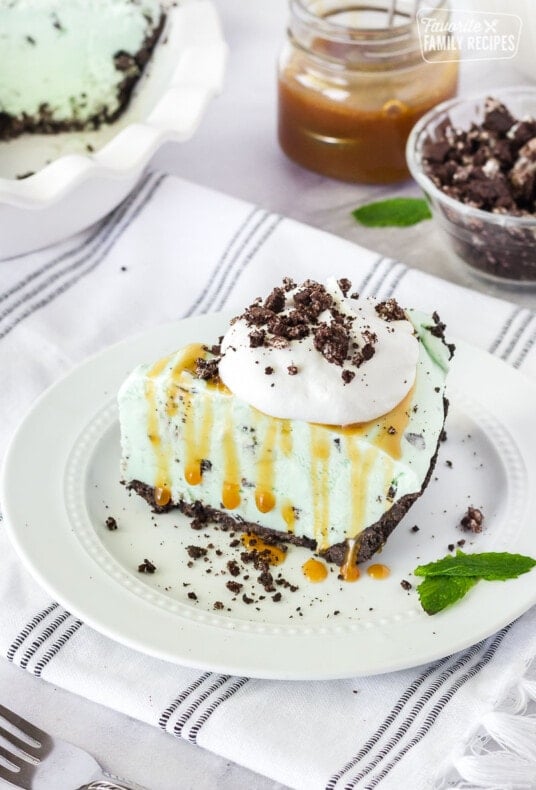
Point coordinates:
[[197, 439], [349, 571], [386, 431], [217, 385], [320, 453], [264, 493], [378, 571], [162, 492], [186, 362], [273, 554], [285, 437], [361, 464], [314, 570], [264, 500], [162, 496], [230, 495], [289, 515], [193, 474]]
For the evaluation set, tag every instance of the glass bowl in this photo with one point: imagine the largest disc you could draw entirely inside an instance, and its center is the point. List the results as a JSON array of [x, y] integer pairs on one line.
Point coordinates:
[[496, 247]]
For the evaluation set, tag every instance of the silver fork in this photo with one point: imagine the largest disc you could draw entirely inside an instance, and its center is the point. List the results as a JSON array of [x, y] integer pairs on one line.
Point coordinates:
[[33, 760]]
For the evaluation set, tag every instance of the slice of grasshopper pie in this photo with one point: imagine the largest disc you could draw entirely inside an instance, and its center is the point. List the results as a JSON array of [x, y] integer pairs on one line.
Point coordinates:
[[316, 420]]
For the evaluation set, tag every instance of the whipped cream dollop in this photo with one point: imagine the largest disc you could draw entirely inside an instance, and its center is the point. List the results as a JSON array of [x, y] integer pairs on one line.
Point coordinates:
[[320, 353]]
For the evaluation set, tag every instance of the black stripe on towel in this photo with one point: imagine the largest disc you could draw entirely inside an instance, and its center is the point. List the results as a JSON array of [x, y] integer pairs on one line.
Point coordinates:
[[94, 241], [93, 236], [53, 651], [170, 710], [510, 348], [388, 721], [416, 710], [367, 278], [504, 330], [42, 638], [439, 707], [179, 725], [230, 692], [222, 261], [525, 350], [77, 266], [397, 280], [28, 628], [247, 260]]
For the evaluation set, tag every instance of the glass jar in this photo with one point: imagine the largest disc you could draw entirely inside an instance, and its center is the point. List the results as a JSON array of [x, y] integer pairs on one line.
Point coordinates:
[[352, 83]]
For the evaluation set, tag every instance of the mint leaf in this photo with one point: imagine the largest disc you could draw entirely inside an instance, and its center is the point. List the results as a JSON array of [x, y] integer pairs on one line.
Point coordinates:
[[491, 566], [437, 592], [396, 212]]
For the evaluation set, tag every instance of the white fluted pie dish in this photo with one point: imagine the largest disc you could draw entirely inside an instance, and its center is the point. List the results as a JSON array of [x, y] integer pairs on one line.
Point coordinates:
[[53, 186]]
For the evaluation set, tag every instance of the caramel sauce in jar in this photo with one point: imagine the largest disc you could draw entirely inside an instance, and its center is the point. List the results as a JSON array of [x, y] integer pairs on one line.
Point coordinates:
[[349, 95]]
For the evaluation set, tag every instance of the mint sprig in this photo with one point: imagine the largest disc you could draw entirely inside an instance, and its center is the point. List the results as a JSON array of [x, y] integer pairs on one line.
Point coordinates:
[[393, 212], [437, 592], [447, 580]]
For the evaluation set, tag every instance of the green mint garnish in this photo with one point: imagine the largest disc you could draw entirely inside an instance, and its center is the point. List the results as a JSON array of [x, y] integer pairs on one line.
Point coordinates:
[[449, 579], [397, 212], [491, 566], [437, 592]]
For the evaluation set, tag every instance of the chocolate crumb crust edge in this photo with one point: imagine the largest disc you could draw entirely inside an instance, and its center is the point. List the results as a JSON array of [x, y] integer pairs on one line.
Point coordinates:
[[369, 541], [12, 126]]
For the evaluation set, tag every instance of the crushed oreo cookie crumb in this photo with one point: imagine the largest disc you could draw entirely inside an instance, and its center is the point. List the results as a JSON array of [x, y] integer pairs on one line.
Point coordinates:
[[490, 166], [146, 567], [111, 523], [390, 310], [206, 369], [473, 519], [195, 552]]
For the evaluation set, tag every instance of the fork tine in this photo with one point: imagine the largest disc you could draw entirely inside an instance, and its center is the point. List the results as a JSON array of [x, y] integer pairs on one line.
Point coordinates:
[[20, 774], [25, 727], [33, 752]]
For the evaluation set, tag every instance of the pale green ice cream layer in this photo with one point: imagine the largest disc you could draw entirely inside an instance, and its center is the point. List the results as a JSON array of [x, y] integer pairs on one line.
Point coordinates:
[[60, 53], [337, 484]]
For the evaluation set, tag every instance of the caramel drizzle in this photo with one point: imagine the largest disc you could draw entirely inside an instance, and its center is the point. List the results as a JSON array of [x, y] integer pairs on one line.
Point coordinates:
[[230, 495], [386, 431], [361, 464], [162, 492], [289, 515], [285, 437], [349, 570], [320, 453], [264, 492], [186, 362]]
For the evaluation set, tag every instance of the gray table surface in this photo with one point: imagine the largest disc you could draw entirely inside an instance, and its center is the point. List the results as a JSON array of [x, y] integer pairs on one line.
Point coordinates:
[[235, 151]]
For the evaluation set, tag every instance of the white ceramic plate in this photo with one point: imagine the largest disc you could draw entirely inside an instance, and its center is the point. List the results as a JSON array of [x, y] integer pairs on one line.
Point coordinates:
[[72, 188], [61, 482]]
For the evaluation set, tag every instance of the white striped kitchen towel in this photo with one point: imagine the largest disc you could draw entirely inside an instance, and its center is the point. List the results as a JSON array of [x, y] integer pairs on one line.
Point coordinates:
[[172, 250]]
